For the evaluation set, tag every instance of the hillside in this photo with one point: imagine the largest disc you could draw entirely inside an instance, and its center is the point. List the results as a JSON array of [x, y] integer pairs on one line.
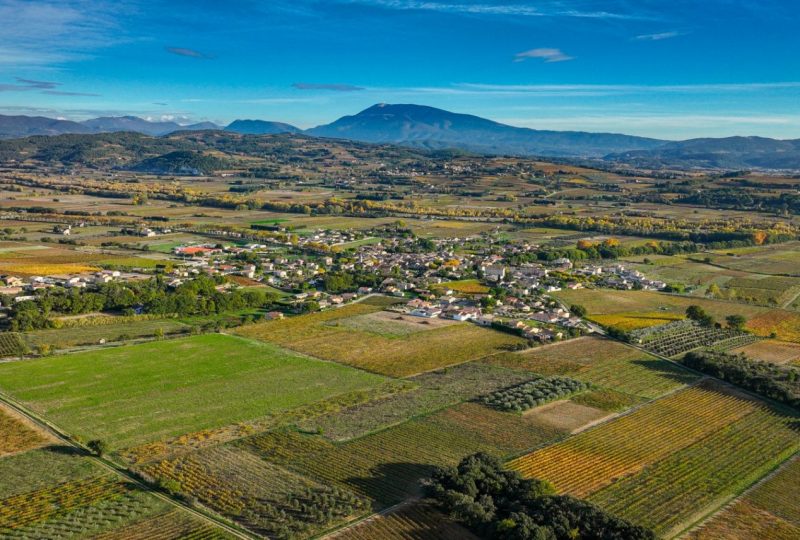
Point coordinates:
[[26, 126], [428, 127], [260, 127], [727, 153]]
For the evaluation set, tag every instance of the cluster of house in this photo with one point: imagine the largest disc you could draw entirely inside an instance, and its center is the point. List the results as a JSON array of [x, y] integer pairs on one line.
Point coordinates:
[[616, 276], [23, 288]]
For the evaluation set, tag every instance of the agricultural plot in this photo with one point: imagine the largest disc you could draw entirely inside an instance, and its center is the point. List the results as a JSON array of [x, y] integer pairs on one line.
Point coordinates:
[[634, 321], [329, 335], [784, 325], [386, 466], [532, 394], [679, 337], [766, 290], [607, 301], [601, 362], [567, 416], [430, 392], [170, 525], [678, 488], [410, 521], [467, 286], [773, 259], [770, 511], [773, 351], [593, 459], [11, 344], [263, 497], [60, 338], [136, 394], [17, 434]]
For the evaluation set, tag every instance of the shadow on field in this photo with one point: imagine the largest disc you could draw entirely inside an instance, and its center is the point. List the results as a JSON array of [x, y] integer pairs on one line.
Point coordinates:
[[391, 483], [667, 370], [65, 450]]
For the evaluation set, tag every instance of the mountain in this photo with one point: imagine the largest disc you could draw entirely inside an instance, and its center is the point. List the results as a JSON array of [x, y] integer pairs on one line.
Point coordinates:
[[182, 162], [109, 124], [260, 127], [25, 126], [724, 153], [428, 127]]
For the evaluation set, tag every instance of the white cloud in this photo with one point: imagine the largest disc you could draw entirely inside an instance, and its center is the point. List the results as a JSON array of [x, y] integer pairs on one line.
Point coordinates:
[[544, 9], [659, 36], [546, 54]]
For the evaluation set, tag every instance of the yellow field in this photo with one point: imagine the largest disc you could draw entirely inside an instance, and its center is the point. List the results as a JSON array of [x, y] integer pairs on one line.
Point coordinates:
[[634, 321], [43, 269], [785, 325]]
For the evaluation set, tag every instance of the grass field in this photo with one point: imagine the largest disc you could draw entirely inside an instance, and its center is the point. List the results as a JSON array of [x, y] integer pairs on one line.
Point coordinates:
[[602, 362], [331, 336], [135, 394]]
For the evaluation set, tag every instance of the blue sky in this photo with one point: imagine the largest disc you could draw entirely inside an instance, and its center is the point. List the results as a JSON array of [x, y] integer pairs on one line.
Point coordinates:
[[663, 68]]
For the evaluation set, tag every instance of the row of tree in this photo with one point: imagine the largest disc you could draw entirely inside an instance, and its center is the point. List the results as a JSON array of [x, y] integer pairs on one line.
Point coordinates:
[[781, 383], [198, 296]]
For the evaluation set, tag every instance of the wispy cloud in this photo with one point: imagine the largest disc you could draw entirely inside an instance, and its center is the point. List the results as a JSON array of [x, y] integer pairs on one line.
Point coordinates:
[[44, 87], [189, 53], [30, 83], [548, 55], [48, 32], [64, 93], [544, 9], [331, 87], [659, 36]]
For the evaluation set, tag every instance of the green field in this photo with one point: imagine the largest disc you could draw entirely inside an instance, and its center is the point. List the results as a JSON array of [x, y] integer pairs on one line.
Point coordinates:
[[135, 394]]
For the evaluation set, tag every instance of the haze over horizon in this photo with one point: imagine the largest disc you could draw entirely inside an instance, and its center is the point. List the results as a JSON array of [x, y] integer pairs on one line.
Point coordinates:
[[670, 70]]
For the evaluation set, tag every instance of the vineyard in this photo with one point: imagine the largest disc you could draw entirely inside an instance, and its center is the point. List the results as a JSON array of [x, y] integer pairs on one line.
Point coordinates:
[[17, 435], [682, 336], [11, 344], [669, 492], [597, 457], [635, 321], [768, 350], [410, 521], [262, 497], [533, 393]]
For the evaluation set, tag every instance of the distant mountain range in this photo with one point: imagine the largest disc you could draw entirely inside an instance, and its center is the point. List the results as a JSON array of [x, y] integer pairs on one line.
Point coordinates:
[[430, 128], [427, 127]]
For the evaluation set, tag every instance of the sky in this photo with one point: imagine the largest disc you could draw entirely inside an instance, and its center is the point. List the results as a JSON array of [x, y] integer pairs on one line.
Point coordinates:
[[671, 69]]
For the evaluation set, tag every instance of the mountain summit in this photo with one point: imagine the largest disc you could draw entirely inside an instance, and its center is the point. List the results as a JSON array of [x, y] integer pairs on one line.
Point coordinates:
[[429, 127]]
